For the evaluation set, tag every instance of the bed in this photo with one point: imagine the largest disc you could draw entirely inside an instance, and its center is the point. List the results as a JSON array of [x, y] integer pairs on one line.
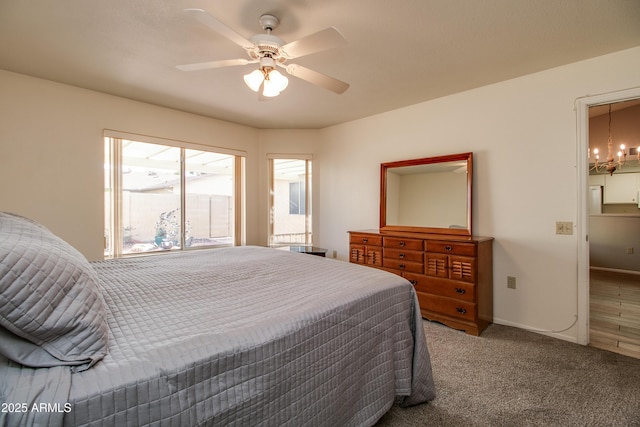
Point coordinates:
[[231, 336]]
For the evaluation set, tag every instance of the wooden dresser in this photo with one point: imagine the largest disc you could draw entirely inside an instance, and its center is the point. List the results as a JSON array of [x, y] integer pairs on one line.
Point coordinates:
[[452, 275]]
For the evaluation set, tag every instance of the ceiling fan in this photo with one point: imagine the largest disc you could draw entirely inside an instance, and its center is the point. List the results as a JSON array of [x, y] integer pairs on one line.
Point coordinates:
[[269, 52]]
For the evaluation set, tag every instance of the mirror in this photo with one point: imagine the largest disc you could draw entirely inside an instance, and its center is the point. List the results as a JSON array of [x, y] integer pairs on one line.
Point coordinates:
[[429, 195]]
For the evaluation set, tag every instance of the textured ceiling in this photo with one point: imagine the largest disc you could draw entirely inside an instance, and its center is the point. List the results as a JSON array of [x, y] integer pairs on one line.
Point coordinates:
[[398, 53]]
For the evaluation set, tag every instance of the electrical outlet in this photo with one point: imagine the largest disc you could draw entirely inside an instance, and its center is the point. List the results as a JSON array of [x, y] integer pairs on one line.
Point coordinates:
[[630, 251], [511, 282], [564, 227]]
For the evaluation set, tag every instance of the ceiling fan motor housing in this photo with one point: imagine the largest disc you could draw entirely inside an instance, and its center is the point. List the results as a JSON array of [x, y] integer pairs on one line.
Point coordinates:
[[266, 45], [269, 22], [267, 63]]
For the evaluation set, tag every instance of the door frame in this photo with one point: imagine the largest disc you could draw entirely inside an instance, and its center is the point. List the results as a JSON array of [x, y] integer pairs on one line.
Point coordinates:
[[582, 223]]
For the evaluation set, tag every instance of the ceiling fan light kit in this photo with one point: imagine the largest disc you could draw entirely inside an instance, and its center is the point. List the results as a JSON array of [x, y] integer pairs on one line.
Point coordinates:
[[270, 52], [254, 80], [272, 81]]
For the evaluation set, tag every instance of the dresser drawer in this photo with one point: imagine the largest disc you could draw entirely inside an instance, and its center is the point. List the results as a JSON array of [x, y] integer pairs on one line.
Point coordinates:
[[442, 287], [447, 306], [400, 243], [365, 239], [455, 248], [398, 264], [451, 274], [403, 255]]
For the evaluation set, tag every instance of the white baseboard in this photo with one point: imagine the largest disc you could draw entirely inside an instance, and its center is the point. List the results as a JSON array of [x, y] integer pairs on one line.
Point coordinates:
[[548, 333]]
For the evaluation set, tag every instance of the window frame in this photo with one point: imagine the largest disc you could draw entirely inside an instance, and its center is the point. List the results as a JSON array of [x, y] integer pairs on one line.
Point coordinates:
[[113, 158], [300, 193], [308, 232]]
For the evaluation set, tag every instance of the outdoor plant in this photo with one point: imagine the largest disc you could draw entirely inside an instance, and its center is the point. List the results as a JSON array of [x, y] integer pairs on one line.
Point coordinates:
[[168, 229]]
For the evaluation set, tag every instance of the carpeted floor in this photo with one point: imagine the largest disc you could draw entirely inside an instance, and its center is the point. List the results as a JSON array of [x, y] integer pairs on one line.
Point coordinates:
[[512, 377]]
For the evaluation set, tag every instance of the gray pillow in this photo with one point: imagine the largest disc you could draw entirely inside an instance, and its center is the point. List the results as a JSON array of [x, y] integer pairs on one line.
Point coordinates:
[[50, 297]]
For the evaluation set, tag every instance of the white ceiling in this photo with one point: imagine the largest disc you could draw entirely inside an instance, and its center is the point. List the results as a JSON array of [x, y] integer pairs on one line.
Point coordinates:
[[399, 53]]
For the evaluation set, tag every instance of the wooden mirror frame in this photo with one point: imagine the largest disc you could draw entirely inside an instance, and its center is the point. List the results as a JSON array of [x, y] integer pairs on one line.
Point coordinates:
[[384, 167]]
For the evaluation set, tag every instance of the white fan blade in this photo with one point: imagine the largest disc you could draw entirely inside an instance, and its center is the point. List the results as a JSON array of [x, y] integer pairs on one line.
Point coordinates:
[[219, 27], [213, 64], [317, 78], [328, 38]]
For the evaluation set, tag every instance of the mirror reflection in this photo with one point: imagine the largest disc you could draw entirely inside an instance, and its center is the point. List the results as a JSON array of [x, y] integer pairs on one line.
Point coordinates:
[[430, 195]]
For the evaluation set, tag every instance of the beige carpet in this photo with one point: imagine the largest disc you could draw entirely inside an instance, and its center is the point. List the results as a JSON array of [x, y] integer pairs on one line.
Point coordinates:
[[511, 377]]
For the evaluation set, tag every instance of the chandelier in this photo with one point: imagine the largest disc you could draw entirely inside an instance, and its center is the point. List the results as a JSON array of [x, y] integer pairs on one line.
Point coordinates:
[[611, 164]]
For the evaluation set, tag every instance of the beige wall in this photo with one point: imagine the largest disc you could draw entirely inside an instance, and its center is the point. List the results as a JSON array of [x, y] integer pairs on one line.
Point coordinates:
[[51, 153], [522, 133]]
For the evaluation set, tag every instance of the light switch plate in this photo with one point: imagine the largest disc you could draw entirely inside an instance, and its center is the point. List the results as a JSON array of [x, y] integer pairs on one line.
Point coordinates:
[[564, 227]]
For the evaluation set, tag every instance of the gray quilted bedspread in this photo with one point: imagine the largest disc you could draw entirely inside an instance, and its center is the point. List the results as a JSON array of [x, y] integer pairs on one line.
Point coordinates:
[[243, 336]]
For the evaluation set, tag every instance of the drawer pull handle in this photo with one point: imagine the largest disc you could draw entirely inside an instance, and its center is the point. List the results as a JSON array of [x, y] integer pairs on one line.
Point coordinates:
[[365, 240], [401, 256], [461, 310], [460, 291], [413, 282], [402, 266], [448, 248], [402, 244]]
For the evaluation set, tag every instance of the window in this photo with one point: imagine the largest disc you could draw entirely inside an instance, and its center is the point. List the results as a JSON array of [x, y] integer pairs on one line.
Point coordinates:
[[296, 198], [290, 201], [168, 196]]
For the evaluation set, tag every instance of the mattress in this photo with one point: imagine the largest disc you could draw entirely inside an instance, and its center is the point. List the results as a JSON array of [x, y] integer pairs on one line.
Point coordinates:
[[238, 336]]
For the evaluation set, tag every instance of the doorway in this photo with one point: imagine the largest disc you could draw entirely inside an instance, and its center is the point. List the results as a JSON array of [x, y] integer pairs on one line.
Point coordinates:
[[582, 113]]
